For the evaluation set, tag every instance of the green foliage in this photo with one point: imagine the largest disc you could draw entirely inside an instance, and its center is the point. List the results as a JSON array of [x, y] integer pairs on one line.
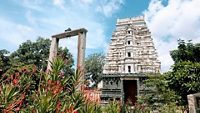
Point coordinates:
[[44, 102], [90, 107], [8, 93], [168, 91], [67, 57], [171, 108], [186, 52], [56, 66], [37, 53], [113, 107], [33, 52], [157, 93], [26, 89], [4, 60], [94, 67], [185, 75], [184, 79], [138, 109]]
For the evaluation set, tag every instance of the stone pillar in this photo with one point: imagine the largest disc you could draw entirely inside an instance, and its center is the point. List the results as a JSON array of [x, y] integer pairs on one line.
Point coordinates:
[[191, 103], [194, 103], [122, 91], [138, 86], [81, 51], [53, 51]]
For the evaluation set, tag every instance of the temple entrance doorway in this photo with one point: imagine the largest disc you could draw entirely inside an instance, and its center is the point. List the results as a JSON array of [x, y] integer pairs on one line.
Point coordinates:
[[130, 91]]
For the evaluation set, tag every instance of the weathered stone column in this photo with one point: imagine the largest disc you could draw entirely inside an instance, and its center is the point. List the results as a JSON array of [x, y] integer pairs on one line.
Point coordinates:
[[191, 103], [81, 52], [122, 91], [194, 103], [53, 51]]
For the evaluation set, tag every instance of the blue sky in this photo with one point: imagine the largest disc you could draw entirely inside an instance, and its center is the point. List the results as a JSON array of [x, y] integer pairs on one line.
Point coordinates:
[[168, 20]]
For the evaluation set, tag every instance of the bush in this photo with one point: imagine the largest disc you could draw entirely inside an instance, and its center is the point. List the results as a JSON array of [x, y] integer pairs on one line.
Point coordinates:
[[113, 107], [29, 90]]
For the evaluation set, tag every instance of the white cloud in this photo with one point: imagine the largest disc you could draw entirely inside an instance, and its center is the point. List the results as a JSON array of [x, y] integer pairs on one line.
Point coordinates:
[[86, 2], [168, 23], [105, 7], [59, 3], [14, 33], [108, 7], [30, 18], [32, 4]]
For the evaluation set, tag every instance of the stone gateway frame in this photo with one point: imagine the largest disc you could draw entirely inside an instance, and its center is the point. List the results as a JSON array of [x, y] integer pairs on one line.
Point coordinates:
[[81, 33]]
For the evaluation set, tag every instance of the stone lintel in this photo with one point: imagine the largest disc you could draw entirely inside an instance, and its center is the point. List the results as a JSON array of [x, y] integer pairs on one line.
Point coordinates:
[[69, 33]]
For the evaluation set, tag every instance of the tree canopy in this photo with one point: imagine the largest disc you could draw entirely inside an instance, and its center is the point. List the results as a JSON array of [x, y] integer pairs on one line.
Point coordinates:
[[183, 79], [4, 60], [33, 52], [94, 67], [36, 53], [186, 52], [185, 75]]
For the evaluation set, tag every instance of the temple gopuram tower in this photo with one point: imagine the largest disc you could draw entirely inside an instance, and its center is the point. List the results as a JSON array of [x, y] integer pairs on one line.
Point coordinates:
[[131, 56]]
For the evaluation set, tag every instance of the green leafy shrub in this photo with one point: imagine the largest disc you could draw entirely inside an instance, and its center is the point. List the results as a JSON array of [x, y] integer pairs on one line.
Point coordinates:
[[113, 107], [90, 107], [26, 89], [171, 108]]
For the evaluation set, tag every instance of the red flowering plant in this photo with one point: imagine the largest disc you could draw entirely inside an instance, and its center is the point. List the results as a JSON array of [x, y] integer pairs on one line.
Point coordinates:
[[57, 92], [26, 89], [16, 83]]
